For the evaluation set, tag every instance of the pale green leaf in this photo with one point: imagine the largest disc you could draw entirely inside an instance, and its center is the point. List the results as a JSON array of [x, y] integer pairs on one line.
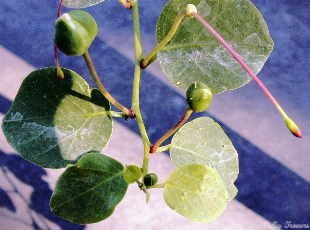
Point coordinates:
[[194, 55], [89, 191], [203, 141], [53, 121], [196, 192], [80, 3]]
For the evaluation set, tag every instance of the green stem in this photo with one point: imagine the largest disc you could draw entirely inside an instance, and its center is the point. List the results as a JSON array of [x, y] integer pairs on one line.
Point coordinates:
[[60, 73], [171, 131], [109, 113], [136, 87], [163, 148], [117, 114], [151, 56], [102, 89], [162, 185]]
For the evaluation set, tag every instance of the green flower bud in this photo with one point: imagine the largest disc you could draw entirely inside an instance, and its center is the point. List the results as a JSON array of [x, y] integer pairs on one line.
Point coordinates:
[[132, 173], [74, 32], [199, 96], [150, 179]]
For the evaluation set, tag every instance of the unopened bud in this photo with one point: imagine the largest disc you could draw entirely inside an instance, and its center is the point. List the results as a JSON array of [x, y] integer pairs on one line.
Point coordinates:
[[191, 10], [199, 97], [74, 32], [127, 3], [292, 126]]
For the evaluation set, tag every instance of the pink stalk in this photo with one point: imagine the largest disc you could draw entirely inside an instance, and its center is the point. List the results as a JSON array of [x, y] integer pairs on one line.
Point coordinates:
[[288, 121], [59, 8]]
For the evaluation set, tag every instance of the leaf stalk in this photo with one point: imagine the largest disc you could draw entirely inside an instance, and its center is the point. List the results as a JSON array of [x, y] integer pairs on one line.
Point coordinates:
[[291, 125], [60, 73], [150, 57], [93, 72], [156, 146]]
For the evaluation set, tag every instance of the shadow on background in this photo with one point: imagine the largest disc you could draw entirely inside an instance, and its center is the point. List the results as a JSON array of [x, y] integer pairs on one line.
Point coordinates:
[[38, 205], [265, 186]]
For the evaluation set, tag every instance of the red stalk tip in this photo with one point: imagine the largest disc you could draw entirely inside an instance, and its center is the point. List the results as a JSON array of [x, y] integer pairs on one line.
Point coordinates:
[[293, 127]]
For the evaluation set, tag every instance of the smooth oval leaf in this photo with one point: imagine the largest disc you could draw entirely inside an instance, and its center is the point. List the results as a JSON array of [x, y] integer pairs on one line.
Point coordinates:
[[194, 55], [203, 141], [53, 121], [80, 3], [196, 192], [89, 191]]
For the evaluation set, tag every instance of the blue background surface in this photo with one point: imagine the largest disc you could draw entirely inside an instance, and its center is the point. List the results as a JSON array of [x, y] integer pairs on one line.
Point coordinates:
[[265, 185]]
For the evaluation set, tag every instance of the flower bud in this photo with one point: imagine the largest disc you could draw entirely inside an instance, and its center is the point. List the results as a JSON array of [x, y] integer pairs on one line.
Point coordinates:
[[199, 96], [292, 126], [191, 10], [126, 3], [74, 32], [150, 179]]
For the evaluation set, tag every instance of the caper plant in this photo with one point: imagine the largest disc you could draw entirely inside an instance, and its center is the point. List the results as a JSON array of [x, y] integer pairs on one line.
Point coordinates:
[[58, 121]]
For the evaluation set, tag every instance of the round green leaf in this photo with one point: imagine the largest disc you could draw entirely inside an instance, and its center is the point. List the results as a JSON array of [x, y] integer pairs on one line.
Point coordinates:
[[80, 3], [89, 191], [196, 192], [203, 141], [53, 121], [194, 55]]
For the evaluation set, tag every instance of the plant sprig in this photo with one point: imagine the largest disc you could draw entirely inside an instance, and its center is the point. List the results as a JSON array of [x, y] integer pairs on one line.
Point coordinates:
[[63, 123]]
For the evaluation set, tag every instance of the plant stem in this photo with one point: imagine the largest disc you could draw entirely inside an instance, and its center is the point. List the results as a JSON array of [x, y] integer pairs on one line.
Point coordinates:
[[136, 87], [59, 8], [60, 73], [151, 56], [102, 89], [288, 121], [171, 131], [108, 113], [162, 185], [117, 114], [163, 148]]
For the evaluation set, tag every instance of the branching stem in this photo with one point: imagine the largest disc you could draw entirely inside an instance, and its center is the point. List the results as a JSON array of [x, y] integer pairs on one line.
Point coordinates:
[[136, 87], [102, 89], [170, 132], [163, 148], [151, 56]]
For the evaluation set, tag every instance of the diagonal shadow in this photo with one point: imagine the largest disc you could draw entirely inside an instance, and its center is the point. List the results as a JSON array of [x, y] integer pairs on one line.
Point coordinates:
[[6, 201], [31, 175], [4, 104], [268, 187]]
